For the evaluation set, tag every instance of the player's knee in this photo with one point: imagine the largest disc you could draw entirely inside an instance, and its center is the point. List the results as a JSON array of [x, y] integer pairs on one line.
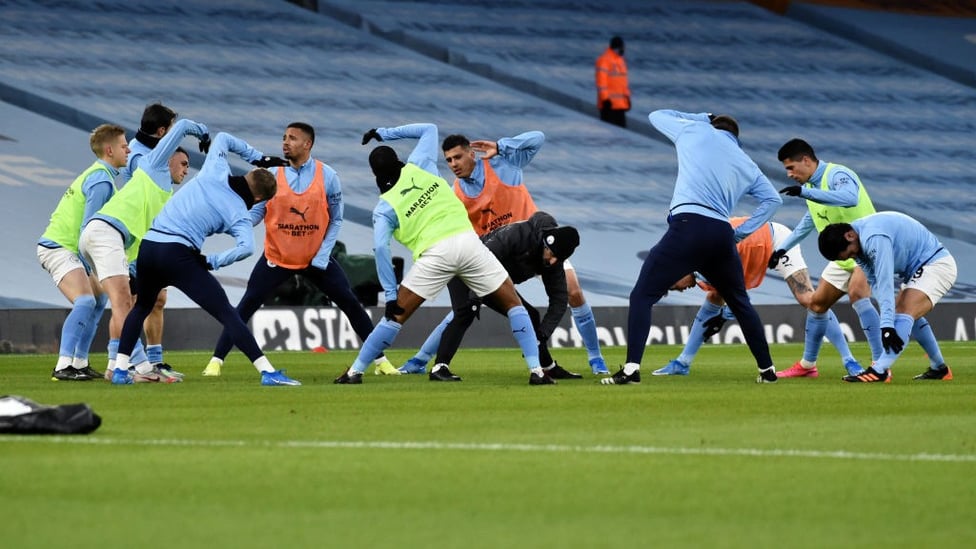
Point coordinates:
[[576, 298], [124, 301], [818, 307], [506, 296], [857, 294]]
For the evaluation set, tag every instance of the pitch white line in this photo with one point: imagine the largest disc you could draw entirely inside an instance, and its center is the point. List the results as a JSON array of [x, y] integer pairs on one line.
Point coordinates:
[[494, 447]]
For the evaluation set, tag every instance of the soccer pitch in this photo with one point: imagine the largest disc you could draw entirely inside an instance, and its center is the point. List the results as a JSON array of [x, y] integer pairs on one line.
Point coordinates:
[[708, 460]]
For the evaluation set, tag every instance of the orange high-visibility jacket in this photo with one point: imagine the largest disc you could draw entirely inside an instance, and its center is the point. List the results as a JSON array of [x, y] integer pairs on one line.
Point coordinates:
[[611, 81]]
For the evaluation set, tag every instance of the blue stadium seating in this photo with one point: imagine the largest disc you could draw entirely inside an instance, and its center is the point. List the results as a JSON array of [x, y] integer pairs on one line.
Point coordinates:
[[249, 67], [905, 130], [943, 41]]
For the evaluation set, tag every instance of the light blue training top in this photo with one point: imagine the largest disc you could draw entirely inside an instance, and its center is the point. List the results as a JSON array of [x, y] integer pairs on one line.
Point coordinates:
[[137, 149], [156, 165], [842, 191], [207, 205], [514, 153], [893, 243], [713, 172]]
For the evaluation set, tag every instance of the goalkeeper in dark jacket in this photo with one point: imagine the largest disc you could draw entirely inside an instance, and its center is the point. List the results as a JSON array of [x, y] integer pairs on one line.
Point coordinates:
[[535, 247]]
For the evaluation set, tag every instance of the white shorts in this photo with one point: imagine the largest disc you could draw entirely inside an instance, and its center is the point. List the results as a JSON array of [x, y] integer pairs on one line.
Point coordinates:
[[462, 255], [102, 247], [934, 279], [836, 276], [793, 260], [58, 262]]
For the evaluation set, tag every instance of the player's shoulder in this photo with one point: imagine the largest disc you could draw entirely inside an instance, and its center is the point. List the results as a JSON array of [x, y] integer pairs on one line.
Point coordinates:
[[839, 172], [329, 172]]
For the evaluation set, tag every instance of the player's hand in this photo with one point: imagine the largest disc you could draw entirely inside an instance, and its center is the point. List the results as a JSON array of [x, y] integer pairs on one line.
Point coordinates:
[[205, 143], [792, 190], [371, 134], [269, 162], [774, 259], [393, 309], [713, 325], [488, 149], [891, 341]]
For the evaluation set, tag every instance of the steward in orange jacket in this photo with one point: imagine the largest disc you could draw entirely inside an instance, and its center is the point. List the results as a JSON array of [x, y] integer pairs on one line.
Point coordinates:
[[612, 89]]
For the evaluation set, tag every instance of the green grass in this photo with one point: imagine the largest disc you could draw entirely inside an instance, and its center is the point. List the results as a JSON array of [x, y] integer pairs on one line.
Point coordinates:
[[710, 460]]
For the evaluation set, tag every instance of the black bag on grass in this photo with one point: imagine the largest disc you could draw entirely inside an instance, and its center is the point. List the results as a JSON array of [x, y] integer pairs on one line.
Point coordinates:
[[23, 416]]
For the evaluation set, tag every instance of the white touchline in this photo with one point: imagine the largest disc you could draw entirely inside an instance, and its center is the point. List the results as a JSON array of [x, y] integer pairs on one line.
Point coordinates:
[[495, 447]]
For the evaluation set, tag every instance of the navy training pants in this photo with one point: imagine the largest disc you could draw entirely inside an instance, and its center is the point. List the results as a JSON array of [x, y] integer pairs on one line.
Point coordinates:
[[467, 307], [694, 243], [332, 281], [162, 264]]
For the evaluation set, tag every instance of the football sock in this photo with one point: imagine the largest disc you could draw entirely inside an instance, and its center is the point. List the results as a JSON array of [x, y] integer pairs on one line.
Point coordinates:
[[263, 364], [378, 341], [586, 326], [922, 332], [63, 363], [816, 328], [74, 325], [871, 324], [696, 337], [138, 354], [631, 367], [429, 347], [113, 349], [518, 319], [835, 335], [91, 327], [155, 353], [727, 313], [903, 327], [144, 367]]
